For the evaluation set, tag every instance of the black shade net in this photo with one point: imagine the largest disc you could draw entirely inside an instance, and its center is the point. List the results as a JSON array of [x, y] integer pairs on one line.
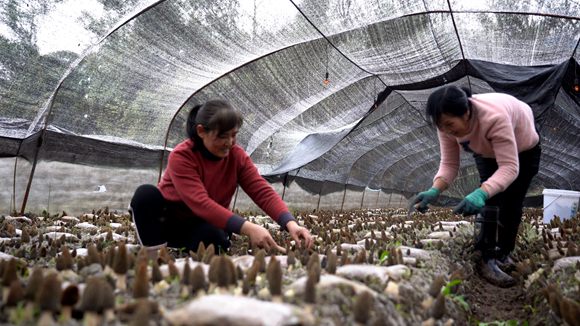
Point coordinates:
[[110, 83]]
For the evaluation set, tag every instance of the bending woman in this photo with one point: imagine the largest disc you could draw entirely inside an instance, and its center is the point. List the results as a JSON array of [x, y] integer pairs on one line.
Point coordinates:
[[500, 132], [191, 203]]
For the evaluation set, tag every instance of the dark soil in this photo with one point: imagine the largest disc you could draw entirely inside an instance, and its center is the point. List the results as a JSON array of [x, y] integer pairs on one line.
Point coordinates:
[[518, 305], [473, 302]]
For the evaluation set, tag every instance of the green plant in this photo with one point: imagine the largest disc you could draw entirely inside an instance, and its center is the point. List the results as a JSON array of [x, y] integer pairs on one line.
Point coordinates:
[[399, 307], [346, 309], [532, 308], [447, 292], [384, 256], [16, 314]]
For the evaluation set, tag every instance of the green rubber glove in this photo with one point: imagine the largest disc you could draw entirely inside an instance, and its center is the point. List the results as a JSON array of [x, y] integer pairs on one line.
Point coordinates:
[[424, 198], [472, 204]]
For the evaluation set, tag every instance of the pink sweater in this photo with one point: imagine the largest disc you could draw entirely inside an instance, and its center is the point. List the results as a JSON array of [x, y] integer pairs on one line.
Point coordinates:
[[501, 127]]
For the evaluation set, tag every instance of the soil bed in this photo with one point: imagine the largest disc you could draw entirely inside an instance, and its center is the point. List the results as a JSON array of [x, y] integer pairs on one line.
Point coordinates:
[[394, 260]]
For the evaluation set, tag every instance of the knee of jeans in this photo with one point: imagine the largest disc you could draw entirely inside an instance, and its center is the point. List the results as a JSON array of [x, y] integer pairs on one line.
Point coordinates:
[[145, 191], [145, 195]]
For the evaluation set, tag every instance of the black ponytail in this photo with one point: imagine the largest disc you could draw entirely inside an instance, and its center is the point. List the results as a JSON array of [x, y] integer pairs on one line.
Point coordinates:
[[192, 126], [212, 115], [450, 100], [467, 91]]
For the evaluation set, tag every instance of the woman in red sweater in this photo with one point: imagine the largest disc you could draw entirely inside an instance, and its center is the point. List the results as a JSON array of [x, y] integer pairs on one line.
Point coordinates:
[[192, 202], [499, 130]]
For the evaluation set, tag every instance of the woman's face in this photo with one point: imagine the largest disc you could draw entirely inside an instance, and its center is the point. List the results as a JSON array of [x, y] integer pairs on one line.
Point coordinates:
[[218, 145], [454, 126]]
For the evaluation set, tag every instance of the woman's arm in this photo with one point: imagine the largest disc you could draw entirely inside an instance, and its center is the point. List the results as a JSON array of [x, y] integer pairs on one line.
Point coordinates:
[[268, 200], [263, 238], [450, 161], [297, 232], [262, 193], [257, 235], [440, 184]]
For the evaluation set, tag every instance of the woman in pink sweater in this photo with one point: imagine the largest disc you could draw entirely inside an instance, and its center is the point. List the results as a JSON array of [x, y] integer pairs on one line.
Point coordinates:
[[500, 132], [191, 204]]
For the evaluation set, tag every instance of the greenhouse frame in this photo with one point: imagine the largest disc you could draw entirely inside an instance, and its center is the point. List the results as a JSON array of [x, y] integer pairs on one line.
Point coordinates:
[[94, 95]]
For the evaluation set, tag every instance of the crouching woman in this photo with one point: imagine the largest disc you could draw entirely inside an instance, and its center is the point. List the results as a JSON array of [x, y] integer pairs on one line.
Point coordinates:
[[191, 203]]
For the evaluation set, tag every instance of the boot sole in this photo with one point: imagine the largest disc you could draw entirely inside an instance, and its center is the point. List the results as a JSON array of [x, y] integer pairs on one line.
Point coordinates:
[[481, 268]]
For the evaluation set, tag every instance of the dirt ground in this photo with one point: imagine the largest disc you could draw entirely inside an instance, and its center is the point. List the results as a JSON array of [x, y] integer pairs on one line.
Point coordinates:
[[445, 252]]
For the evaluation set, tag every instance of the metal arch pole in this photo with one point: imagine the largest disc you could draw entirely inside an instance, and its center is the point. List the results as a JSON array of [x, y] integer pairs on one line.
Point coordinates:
[[404, 185], [49, 105], [387, 169], [574, 52], [346, 184], [197, 91], [401, 198], [460, 45], [546, 181]]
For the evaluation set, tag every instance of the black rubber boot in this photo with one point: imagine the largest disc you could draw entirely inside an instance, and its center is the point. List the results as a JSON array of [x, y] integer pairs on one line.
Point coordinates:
[[485, 241], [505, 246], [505, 262]]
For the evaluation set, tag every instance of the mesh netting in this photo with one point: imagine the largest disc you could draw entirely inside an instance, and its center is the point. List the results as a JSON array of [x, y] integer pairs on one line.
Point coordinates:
[[109, 84]]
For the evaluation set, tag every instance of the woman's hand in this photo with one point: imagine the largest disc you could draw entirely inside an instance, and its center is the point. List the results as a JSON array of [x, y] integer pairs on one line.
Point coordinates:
[[297, 232], [258, 235]]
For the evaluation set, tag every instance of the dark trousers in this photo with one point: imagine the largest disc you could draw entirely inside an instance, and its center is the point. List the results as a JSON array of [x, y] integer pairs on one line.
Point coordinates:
[[157, 223], [511, 200]]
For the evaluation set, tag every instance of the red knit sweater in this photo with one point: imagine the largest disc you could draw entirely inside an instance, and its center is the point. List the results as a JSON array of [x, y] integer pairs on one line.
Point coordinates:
[[206, 184]]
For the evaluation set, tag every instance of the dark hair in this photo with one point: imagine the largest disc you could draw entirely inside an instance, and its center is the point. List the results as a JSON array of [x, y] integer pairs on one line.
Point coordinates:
[[212, 115], [450, 100]]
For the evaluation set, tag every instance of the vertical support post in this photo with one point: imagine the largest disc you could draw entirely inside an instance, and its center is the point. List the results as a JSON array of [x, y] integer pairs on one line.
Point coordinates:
[[284, 186], [343, 197], [400, 200], [40, 143], [236, 197], [283, 191], [363, 198], [390, 196], [13, 206], [318, 205], [377, 202]]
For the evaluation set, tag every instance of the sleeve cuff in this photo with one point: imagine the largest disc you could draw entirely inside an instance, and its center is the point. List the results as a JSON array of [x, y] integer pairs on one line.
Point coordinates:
[[234, 224], [284, 218]]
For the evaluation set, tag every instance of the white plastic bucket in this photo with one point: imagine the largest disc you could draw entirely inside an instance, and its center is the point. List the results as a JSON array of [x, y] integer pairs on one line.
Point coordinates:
[[562, 203]]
